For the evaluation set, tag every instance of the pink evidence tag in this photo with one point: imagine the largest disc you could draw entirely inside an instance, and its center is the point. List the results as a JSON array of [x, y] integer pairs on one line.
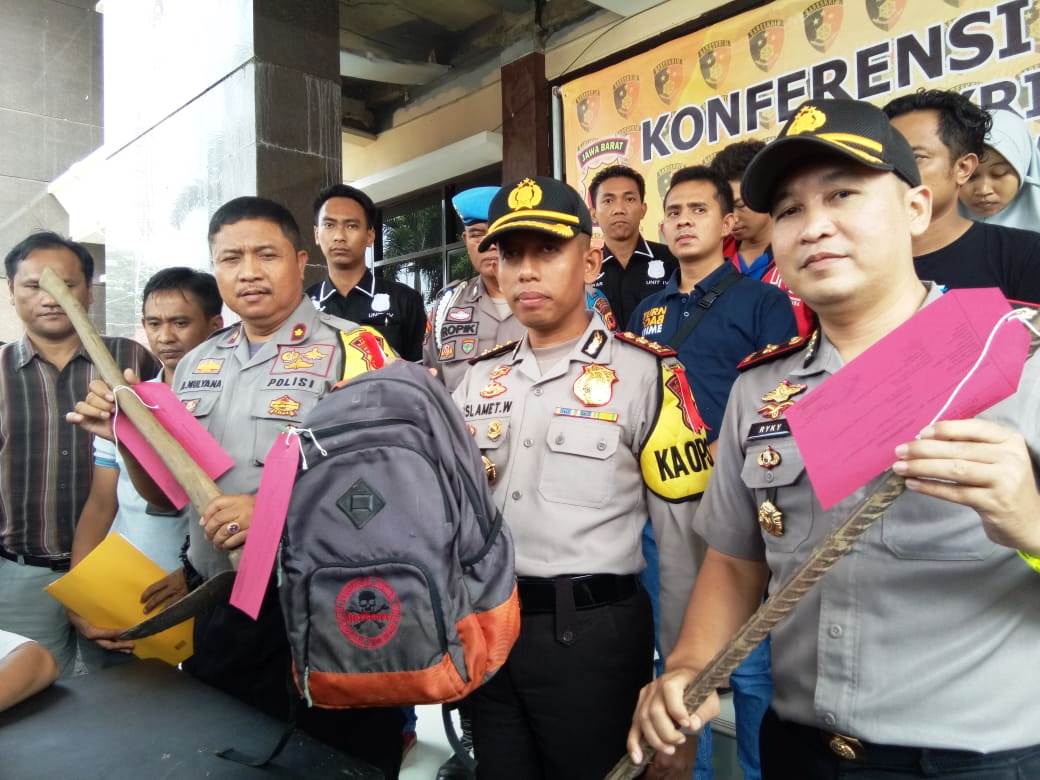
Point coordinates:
[[180, 423], [848, 427], [265, 531]]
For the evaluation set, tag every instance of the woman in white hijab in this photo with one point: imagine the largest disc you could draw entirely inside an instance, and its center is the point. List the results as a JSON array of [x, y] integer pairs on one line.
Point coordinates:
[[1005, 188]]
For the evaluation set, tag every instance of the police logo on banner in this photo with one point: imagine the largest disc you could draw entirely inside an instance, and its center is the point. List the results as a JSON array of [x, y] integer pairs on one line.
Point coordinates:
[[766, 41], [587, 106], [822, 23], [626, 93], [714, 60], [664, 178], [885, 13], [668, 79]]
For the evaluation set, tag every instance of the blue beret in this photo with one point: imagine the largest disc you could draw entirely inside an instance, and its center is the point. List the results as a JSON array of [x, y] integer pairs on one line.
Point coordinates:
[[472, 205]]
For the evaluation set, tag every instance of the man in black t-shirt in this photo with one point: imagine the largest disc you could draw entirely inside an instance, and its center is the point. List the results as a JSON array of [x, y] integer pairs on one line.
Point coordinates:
[[344, 226], [633, 267], [947, 133]]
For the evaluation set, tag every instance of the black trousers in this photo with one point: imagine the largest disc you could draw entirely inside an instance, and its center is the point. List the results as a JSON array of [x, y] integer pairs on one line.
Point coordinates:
[[251, 661], [563, 711], [789, 750]]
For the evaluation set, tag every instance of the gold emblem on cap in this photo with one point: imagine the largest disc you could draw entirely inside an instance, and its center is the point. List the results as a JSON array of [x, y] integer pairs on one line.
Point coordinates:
[[771, 518], [808, 119], [525, 195]]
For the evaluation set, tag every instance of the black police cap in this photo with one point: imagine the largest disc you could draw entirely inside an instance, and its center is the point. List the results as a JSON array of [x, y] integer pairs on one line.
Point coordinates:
[[853, 129], [537, 204]]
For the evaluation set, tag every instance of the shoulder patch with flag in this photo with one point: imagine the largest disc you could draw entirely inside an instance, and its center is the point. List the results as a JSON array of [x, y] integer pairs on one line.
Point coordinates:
[[364, 349]]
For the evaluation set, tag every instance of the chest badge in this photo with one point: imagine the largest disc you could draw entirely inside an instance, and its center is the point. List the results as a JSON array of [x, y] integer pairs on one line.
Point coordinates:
[[380, 302], [595, 386], [784, 391], [494, 430], [778, 400], [500, 372], [770, 518], [284, 406], [292, 360], [209, 366], [655, 269], [769, 458], [492, 389]]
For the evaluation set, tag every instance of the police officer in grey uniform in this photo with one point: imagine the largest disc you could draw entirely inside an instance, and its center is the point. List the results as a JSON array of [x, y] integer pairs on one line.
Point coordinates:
[[244, 385], [914, 657], [471, 316], [584, 434]]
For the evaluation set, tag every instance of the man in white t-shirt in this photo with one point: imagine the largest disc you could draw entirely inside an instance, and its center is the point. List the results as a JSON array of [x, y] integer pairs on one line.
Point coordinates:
[[26, 667], [181, 310]]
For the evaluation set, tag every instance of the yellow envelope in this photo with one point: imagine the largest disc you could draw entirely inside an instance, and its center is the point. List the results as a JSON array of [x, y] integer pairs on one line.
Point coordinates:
[[106, 587]]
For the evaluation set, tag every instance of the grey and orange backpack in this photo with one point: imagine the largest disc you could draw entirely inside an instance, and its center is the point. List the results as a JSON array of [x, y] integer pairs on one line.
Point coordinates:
[[396, 570]]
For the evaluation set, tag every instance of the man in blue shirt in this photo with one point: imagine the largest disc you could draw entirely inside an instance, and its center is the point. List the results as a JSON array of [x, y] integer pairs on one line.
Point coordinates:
[[714, 317]]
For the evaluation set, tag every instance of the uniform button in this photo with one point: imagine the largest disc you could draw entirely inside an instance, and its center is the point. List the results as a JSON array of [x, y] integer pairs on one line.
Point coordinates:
[[686, 314], [516, 495], [769, 476], [568, 636], [835, 631], [684, 299], [829, 719], [528, 442], [559, 439], [601, 446], [61, 486], [64, 452], [538, 391]]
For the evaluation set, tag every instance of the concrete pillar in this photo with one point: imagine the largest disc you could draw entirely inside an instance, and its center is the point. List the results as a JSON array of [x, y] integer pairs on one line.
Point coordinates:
[[205, 102], [50, 116], [526, 149]]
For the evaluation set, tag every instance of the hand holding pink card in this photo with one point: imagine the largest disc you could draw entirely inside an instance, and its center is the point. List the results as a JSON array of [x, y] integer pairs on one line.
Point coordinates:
[[180, 423], [848, 427]]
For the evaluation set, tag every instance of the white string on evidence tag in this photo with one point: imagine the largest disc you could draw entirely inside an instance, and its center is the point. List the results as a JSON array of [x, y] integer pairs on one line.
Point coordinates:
[[1017, 315], [115, 414], [296, 432]]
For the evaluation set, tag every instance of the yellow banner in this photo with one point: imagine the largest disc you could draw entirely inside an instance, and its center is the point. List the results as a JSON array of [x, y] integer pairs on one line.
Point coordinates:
[[678, 104]]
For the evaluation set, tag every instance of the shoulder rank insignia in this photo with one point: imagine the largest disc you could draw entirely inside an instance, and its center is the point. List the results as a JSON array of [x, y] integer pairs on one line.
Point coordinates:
[[594, 344], [660, 350], [498, 349], [770, 352]]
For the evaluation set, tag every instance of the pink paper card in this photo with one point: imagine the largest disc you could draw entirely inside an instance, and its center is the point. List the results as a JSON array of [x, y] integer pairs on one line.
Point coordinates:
[[265, 531], [180, 423], [847, 428]]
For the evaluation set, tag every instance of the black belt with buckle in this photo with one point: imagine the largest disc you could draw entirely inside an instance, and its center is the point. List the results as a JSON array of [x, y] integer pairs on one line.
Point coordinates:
[[54, 564], [538, 594], [890, 756]]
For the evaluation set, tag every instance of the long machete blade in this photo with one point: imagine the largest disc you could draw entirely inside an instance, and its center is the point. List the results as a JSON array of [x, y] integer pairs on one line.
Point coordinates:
[[207, 595]]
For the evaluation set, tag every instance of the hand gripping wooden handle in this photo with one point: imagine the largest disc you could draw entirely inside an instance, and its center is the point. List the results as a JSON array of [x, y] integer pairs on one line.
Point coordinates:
[[189, 475], [783, 601]]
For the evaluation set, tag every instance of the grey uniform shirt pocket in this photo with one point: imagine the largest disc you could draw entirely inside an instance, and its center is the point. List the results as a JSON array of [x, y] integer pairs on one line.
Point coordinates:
[[786, 486], [579, 466], [200, 405], [272, 413], [491, 435], [917, 527]]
